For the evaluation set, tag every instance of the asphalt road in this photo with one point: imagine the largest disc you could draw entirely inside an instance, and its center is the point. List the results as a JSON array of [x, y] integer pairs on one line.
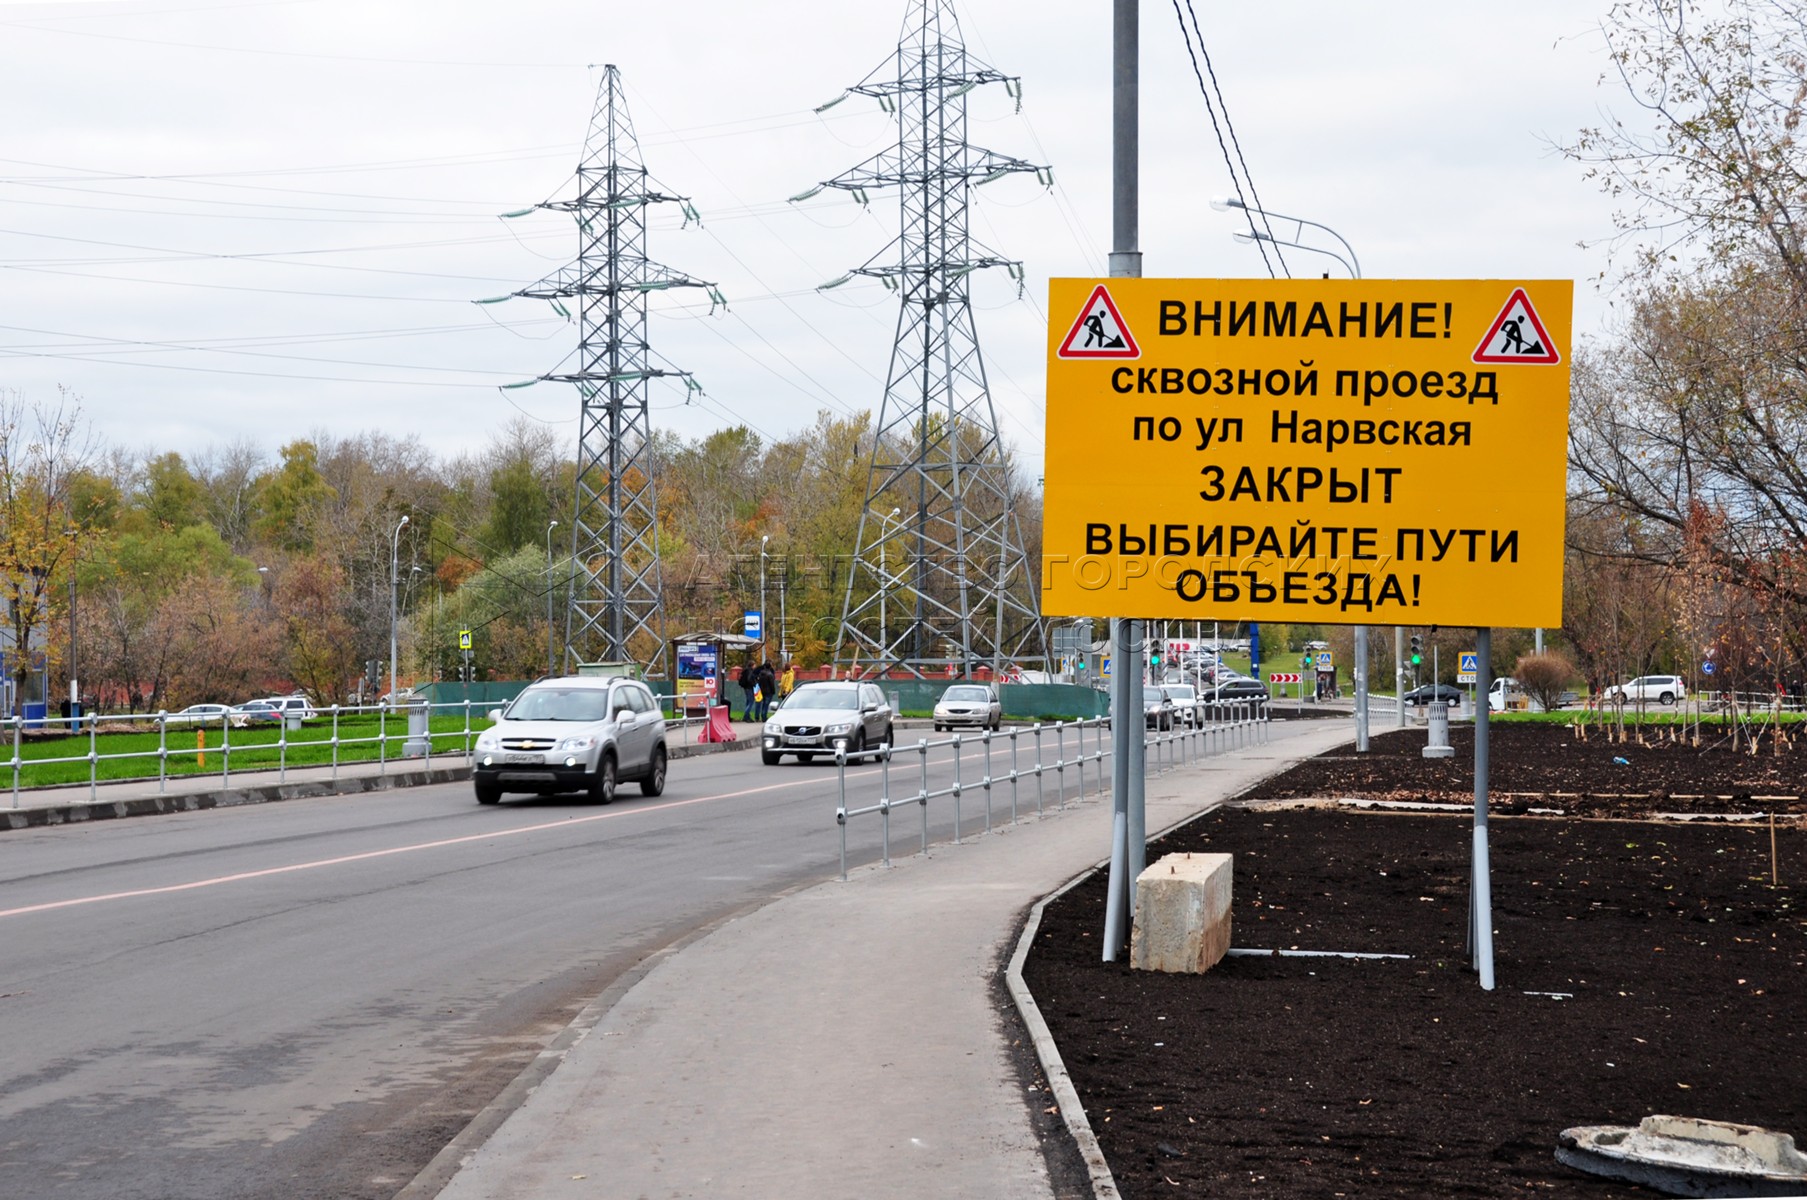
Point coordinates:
[[309, 999]]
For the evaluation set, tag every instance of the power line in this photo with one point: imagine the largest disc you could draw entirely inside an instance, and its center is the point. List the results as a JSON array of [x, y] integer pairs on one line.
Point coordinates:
[[1249, 210]]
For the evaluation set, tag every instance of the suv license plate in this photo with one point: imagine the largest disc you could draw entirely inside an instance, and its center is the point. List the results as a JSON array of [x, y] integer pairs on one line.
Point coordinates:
[[535, 759]]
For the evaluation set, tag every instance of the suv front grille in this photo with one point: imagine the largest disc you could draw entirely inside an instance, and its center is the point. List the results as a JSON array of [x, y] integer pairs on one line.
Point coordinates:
[[527, 743]]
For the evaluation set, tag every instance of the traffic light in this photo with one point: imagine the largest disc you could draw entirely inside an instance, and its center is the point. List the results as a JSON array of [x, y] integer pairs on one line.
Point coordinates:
[[1417, 649], [1154, 657]]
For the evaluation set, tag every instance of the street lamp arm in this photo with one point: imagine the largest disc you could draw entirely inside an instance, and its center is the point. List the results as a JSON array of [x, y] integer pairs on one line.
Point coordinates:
[[1353, 269], [1351, 264]]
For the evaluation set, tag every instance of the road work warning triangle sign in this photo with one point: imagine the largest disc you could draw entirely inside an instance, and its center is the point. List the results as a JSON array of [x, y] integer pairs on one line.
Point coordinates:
[[1516, 335], [1099, 332]]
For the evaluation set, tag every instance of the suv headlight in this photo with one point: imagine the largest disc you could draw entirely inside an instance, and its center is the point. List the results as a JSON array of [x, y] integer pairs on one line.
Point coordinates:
[[582, 741], [838, 727], [772, 726], [487, 740]]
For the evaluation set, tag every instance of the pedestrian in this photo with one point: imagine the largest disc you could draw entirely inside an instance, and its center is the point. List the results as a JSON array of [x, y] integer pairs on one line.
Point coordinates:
[[766, 680], [745, 680], [788, 683]]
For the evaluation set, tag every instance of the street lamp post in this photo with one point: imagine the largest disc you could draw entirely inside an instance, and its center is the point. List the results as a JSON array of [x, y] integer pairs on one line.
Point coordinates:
[[551, 649], [394, 550], [1354, 267], [762, 542]]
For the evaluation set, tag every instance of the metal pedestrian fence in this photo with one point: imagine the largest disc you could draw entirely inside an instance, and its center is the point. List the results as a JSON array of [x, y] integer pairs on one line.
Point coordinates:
[[1036, 756], [63, 752]]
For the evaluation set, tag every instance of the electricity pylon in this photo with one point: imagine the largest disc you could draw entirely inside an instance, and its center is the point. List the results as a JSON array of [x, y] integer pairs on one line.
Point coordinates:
[[616, 607], [954, 588]]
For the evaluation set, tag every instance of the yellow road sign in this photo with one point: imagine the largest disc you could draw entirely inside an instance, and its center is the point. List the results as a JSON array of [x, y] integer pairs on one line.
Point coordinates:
[[464, 639], [1317, 451]]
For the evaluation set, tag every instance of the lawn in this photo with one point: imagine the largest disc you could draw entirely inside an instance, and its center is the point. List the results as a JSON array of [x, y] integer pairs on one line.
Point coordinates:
[[134, 755]]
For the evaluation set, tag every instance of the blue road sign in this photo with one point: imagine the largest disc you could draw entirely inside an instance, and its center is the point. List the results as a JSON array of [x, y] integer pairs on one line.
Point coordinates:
[[755, 624]]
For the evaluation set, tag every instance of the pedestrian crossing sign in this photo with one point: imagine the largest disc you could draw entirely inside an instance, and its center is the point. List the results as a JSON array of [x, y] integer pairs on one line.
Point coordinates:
[[1099, 331], [1470, 662]]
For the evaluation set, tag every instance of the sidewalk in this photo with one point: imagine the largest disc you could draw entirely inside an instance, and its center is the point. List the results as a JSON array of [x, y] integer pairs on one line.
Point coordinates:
[[190, 793], [840, 1041]]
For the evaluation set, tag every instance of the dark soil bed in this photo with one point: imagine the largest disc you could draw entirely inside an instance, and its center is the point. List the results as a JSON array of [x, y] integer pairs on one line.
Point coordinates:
[[1680, 976], [1552, 766]]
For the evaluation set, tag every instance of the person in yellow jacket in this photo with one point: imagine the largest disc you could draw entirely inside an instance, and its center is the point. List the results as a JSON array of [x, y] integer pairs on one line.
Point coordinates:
[[788, 682]]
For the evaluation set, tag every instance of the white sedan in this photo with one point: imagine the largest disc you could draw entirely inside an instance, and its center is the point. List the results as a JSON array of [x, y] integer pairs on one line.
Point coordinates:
[[199, 714]]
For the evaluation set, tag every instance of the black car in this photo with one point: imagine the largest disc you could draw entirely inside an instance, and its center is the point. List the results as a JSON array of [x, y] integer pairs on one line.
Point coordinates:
[[1234, 695], [1430, 693]]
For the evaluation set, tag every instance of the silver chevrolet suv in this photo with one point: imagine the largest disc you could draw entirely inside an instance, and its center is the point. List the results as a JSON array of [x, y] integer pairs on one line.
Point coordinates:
[[574, 734]]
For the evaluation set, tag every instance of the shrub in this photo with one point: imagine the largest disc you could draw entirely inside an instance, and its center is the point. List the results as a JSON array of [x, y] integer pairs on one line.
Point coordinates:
[[1544, 677]]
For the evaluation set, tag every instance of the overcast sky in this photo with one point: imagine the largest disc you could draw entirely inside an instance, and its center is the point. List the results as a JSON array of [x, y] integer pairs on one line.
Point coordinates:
[[260, 220]]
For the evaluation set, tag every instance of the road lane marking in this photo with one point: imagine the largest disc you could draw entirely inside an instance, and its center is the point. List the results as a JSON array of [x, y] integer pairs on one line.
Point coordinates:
[[565, 823], [242, 876]]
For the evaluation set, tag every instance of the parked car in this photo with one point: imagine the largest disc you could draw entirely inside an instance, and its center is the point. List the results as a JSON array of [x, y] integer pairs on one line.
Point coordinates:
[[1239, 694], [291, 706], [199, 714], [1186, 705], [1430, 693], [1664, 689], [1157, 708], [573, 735], [254, 712], [820, 718], [968, 706]]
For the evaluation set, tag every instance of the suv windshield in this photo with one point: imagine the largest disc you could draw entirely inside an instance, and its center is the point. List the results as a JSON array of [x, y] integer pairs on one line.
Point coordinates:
[[824, 697], [559, 704], [966, 693]]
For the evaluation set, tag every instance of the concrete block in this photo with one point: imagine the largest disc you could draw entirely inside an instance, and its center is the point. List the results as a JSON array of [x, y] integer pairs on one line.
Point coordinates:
[[1182, 918]]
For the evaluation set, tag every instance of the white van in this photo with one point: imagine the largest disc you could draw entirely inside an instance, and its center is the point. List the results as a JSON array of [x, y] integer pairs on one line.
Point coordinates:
[[1504, 694]]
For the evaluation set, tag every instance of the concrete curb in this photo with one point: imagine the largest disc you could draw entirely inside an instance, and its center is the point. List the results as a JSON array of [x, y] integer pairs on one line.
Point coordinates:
[[268, 793], [1072, 1111], [438, 1173], [1104, 1184], [147, 806]]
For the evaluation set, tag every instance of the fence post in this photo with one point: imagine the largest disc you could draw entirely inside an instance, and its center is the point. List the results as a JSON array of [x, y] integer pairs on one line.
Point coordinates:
[[1013, 773], [987, 738], [840, 813], [884, 799], [335, 741], [922, 797], [282, 749], [225, 751], [1079, 735], [470, 752], [93, 762], [1060, 761], [162, 750], [1038, 768], [955, 740], [382, 739]]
